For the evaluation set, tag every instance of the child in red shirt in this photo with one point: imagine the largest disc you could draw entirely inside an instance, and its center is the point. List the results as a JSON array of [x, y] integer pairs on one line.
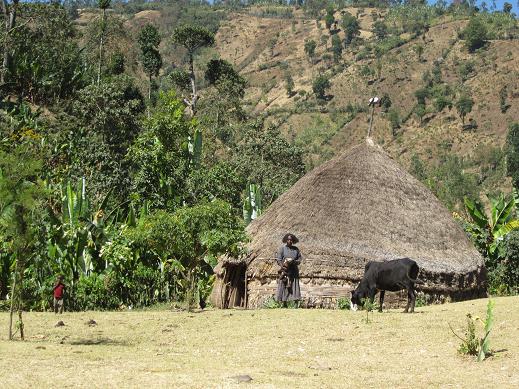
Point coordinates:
[[59, 293]]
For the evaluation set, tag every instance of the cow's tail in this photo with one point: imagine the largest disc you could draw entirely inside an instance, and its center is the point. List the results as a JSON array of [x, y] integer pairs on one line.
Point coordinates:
[[413, 274]]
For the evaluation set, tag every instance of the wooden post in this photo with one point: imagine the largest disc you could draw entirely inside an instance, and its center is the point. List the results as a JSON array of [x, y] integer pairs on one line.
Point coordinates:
[[371, 120]]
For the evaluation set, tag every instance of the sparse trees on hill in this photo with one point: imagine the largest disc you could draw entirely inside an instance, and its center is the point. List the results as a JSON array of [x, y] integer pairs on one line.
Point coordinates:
[[351, 27], [380, 29], [329, 19], [420, 111], [289, 84], [336, 48], [310, 46], [464, 106], [320, 85], [418, 49]]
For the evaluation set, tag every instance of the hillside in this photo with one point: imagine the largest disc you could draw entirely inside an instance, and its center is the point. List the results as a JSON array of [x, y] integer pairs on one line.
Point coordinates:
[[244, 40], [265, 43]]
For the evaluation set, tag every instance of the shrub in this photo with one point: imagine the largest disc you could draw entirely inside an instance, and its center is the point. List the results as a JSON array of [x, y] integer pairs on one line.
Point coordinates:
[[270, 303], [343, 303], [465, 69], [91, 293], [320, 85], [475, 34], [471, 344]]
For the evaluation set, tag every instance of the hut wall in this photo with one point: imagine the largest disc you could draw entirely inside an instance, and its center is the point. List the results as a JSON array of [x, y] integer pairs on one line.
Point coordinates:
[[319, 292]]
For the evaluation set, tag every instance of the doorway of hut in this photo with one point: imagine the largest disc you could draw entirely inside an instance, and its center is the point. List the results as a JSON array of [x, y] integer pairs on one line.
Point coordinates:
[[235, 286]]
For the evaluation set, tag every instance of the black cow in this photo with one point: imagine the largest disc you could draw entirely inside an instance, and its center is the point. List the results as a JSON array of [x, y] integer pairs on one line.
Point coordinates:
[[392, 275]]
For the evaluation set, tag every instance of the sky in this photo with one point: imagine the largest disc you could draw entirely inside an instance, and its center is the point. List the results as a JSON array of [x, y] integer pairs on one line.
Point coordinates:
[[499, 4]]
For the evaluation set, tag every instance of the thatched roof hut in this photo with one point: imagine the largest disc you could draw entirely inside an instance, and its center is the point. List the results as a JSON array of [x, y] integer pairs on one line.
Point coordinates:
[[359, 206]]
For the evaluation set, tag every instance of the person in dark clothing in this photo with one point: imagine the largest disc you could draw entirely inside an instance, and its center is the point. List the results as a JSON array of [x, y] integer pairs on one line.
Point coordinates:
[[59, 294], [288, 258]]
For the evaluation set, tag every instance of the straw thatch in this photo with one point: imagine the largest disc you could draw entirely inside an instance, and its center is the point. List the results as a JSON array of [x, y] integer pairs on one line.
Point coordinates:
[[357, 207]]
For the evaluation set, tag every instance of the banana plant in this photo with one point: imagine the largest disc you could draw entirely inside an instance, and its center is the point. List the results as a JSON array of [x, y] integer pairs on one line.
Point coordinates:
[[252, 205], [489, 232], [79, 232], [195, 148]]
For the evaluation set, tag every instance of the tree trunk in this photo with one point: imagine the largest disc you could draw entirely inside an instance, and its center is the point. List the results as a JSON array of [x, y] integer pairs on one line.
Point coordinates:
[[149, 94], [10, 22], [194, 96], [16, 290], [103, 28]]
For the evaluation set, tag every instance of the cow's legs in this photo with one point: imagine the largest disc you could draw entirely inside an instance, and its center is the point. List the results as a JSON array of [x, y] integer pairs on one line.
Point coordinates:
[[382, 292], [372, 294], [411, 299]]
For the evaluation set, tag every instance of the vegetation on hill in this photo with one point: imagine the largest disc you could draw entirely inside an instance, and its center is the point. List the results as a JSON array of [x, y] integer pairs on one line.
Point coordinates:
[[125, 126]]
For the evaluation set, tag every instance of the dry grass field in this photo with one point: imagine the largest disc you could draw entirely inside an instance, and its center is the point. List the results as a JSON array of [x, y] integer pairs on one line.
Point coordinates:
[[277, 348]]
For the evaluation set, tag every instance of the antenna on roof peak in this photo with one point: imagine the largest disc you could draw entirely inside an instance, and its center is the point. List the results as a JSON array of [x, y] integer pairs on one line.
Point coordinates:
[[373, 102]]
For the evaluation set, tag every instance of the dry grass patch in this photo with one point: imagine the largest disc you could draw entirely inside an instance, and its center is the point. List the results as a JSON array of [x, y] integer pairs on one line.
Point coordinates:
[[276, 348]]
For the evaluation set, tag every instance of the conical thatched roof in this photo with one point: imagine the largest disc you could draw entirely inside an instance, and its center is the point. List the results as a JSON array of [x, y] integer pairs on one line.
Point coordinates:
[[362, 206]]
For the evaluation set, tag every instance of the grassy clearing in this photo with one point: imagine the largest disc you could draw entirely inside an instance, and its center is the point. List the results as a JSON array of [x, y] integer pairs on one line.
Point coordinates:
[[277, 348]]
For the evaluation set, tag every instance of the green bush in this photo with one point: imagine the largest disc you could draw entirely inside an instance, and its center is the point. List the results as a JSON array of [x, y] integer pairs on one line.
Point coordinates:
[[270, 303], [475, 34], [344, 303], [91, 293], [504, 278]]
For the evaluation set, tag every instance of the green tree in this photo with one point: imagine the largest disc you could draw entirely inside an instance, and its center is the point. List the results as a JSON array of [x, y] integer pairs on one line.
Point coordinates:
[[418, 49], [512, 154], [380, 29], [475, 34], [310, 46], [329, 20], [222, 103], [289, 84], [394, 121], [336, 48], [351, 27], [47, 65], [320, 85], [21, 195], [191, 239], [116, 64], [10, 13], [464, 106], [262, 155], [507, 8], [421, 95], [109, 121], [420, 111], [160, 156], [149, 40], [192, 38]]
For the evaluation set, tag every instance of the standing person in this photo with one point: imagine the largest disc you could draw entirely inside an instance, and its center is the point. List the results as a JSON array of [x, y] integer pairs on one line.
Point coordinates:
[[59, 294], [288, 258]]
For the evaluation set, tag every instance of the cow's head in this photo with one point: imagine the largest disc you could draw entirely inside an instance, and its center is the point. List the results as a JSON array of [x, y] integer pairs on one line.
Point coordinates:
[[357, 296]]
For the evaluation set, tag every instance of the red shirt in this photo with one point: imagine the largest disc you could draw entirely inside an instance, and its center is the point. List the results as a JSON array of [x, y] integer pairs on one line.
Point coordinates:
[[58, 290]]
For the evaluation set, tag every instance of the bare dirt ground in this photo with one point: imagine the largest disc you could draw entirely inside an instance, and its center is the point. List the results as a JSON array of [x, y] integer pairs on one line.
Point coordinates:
[[279, 348]]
